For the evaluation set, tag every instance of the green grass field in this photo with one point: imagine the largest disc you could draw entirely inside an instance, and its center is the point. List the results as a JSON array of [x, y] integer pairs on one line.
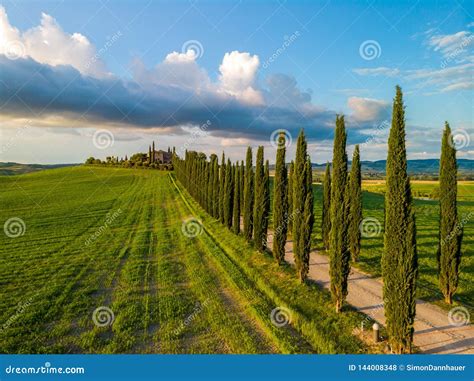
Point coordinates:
[[427, 238], [104, 237]]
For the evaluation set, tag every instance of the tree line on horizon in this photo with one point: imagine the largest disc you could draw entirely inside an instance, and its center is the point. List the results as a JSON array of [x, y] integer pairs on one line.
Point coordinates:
[[238, 195]]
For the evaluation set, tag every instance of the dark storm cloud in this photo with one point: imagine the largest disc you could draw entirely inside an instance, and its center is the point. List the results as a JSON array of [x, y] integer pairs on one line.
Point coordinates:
[[30, 89]]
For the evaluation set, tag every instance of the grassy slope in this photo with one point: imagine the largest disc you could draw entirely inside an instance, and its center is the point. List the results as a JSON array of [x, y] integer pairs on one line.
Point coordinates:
[[143, 268]]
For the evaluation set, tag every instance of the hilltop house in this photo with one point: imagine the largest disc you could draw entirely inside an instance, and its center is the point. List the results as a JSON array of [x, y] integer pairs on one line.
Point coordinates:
[[160, 156]]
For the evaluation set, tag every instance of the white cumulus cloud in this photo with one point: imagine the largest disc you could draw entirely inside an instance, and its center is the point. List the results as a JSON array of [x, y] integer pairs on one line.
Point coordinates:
[[49, 44], [238, 73]]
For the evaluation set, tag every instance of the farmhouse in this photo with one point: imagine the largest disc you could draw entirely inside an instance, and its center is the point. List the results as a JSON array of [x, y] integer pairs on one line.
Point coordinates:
[[160, 156]]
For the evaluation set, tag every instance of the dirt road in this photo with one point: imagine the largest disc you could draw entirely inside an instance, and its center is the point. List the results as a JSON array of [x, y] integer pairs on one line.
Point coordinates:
[[433, 331]]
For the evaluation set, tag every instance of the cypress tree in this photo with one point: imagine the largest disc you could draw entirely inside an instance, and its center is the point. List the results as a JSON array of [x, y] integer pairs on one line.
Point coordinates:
[[339, 258], [236, 211], [228, 194], [280, 203], [242, 185], [326, 213], [248, 196], [301, 184], [222, 189], [355, 205], [259, 203], [266, 210], [399, 259], [216, 196], [308, 214], [290, 197], [450, 231]]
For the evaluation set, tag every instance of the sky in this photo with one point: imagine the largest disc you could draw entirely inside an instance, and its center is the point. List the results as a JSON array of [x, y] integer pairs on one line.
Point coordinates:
[[106, 78]]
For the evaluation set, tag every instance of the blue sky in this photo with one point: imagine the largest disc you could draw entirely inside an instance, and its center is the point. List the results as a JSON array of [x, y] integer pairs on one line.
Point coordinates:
[[141, 70]]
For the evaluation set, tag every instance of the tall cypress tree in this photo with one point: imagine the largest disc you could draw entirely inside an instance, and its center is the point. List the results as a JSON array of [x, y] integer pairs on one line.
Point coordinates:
[[450, 231], [222, 189], [228, 194], [280, 203], [236, 211], [248, 196], [259, 204], [290, 197], [301, 184], [266, 209], [355, 205], [308, 214], [214, 201], [339, 258], [326, 213], [242, 185], [399, 259]]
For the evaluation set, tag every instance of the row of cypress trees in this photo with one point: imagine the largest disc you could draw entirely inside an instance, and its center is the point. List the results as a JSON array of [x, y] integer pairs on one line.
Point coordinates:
[[229, 191]]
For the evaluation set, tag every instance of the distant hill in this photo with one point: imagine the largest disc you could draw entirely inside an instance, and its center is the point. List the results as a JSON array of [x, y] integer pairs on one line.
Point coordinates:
[[427, 167], [8, 169]]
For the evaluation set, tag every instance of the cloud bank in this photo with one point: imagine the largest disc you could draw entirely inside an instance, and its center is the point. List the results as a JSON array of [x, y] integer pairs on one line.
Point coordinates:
[[48, 74]]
